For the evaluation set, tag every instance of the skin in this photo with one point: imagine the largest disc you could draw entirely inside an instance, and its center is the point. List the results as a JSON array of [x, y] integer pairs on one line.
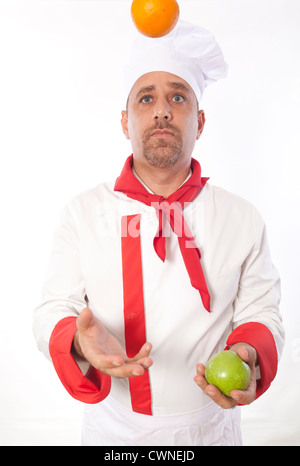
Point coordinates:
[[163, 123], [246, 397], [93, 343]]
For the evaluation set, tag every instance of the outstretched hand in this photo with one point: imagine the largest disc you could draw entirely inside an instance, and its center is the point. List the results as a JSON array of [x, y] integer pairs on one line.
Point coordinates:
[[102, 350], [243, 397]]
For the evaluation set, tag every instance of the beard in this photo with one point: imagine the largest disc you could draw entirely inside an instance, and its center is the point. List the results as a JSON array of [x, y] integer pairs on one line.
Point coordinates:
[[162, 152]]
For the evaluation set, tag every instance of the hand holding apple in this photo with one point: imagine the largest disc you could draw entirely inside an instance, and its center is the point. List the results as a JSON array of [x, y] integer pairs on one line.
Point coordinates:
[[228, 372], [248, 354]]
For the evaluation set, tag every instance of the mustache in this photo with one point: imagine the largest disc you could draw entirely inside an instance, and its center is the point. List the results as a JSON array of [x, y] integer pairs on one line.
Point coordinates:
[[161, 125]]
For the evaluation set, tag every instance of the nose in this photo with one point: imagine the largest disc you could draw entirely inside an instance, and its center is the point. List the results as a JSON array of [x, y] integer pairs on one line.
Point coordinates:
[[162, 111]]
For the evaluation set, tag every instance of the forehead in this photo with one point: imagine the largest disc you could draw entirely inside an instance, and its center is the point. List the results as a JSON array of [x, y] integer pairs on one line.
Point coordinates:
[[158, 80]]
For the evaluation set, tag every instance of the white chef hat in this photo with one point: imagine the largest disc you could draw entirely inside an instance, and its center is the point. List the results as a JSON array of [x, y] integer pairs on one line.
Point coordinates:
[[189, 52]]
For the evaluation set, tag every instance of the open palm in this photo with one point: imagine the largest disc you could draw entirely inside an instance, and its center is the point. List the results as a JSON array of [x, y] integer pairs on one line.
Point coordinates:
[[103, 351]]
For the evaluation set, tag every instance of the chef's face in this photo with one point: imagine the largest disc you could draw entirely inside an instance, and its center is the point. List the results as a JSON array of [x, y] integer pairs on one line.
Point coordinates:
[[162, 120]]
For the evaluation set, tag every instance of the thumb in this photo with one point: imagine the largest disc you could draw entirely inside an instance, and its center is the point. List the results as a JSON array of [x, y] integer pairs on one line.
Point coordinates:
[[248, 355], [85, 319]]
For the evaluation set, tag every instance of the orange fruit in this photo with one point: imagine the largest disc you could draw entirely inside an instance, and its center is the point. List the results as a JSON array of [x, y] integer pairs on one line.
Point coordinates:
[[155, 18]]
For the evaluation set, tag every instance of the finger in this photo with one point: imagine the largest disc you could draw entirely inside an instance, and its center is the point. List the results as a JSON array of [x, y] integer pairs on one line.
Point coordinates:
[[200, 369], [85, 319], [109, 362], [200, 377], [212, 391], [218, 397], [143, 353], [142, 357], [116, 366], [124, 371], [242, 397], [246, 352], [243, 354], [145, 362], [246, 397]]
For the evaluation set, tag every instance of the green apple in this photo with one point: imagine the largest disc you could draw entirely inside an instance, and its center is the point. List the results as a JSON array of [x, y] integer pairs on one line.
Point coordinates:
[[227, 371]]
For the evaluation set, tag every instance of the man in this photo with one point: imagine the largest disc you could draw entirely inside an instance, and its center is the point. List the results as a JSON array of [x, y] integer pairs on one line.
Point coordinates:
[[154, 273]]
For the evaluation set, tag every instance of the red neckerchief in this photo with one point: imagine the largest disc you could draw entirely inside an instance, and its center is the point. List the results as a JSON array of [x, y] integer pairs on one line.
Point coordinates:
[[170, 209]]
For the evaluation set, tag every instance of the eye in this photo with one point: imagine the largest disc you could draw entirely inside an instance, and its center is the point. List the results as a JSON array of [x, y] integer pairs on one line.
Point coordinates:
[[178, 98], [147, 99]]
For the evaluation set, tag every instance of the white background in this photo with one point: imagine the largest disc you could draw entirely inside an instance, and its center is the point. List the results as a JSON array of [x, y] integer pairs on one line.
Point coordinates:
[[60, 101]]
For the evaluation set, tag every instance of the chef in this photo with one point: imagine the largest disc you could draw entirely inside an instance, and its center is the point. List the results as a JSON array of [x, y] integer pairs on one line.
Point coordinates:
[[152, 274]]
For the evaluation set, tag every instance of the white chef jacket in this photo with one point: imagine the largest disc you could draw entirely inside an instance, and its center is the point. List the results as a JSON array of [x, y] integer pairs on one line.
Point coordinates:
[[245, 292]]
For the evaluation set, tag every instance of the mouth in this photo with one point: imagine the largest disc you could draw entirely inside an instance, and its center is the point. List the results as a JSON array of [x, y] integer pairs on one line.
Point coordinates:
[[162, 133]]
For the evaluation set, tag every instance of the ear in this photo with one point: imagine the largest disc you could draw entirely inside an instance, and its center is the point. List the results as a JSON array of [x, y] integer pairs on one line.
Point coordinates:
[[124, 123], [201, 123]]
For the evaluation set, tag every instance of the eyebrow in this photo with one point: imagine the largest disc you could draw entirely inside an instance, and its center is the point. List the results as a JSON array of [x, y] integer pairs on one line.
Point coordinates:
[[178, 86], [144, 90]]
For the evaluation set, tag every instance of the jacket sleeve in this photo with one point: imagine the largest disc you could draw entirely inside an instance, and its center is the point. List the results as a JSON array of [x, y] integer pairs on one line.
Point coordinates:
[[260, 337], [92, 387], [257, 320], [54, 320]]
